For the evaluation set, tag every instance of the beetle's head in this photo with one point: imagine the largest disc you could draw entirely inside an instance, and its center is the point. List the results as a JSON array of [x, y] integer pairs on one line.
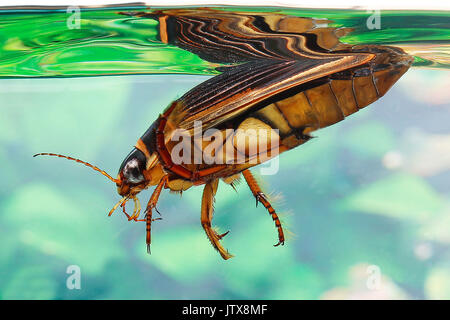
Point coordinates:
[[133, 176]]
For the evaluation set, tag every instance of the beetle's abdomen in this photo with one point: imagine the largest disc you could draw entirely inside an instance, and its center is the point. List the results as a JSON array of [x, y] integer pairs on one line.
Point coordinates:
[[329, 100]]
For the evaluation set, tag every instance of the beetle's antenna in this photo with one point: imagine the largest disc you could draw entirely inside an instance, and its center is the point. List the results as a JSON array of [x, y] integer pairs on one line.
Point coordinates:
[[80, 161]]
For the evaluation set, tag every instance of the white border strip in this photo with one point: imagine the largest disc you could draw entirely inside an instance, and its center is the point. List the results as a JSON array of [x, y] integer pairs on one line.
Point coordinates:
[[320, 4]]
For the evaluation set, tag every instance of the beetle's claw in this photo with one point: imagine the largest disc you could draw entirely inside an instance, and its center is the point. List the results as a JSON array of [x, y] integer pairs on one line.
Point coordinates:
[[279, 242], [220, 236]]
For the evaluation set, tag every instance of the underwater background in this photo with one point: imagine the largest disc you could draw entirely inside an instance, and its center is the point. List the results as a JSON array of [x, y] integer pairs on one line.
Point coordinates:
[[366, 203]]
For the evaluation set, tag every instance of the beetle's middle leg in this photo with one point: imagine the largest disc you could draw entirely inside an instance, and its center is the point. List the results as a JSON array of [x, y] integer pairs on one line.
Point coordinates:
[[261, 197], [206, 217]]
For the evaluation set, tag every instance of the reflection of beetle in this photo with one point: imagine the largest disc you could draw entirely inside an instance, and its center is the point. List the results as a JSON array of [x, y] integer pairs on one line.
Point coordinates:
[[286, 75]]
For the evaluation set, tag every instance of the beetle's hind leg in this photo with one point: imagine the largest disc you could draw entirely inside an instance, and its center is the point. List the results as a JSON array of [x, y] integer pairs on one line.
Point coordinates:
[[261, 197], [206, 218]]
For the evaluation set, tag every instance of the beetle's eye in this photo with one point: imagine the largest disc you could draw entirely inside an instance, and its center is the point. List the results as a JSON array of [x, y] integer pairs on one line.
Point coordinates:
[[132, 172]]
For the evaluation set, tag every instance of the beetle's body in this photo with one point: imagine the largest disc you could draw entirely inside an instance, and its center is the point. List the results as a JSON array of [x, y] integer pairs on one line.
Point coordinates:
[[294, 113], [287, 78]]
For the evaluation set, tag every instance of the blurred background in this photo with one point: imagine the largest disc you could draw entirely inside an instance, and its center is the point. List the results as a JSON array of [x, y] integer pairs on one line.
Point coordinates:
[[366, 203]]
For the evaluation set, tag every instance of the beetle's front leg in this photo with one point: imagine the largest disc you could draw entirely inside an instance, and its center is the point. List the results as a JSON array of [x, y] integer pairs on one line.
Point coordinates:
[[150, 206], [206, 217], [136, 210]]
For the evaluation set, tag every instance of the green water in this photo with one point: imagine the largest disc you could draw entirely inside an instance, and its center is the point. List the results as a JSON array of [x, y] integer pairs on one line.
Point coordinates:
[[39, 43]]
